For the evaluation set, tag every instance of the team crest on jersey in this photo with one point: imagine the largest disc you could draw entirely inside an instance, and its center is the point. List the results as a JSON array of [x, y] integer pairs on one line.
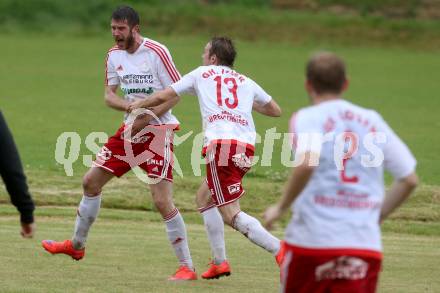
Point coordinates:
[[242, 161], [104, 154], [119, 68], [234, 188], [344, 267], [144, 67]]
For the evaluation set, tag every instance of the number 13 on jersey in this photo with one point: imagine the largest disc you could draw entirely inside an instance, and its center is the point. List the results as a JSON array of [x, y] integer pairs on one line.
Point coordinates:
[[229, 81]]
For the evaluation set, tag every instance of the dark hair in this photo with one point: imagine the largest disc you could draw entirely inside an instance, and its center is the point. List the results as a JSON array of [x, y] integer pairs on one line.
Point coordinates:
[[326, 73], [126, 13], [224, 49]]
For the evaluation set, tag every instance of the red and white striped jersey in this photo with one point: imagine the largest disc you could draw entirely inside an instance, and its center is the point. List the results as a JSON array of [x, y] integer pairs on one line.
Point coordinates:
[[340, 205], [226, 99], [142, 73]]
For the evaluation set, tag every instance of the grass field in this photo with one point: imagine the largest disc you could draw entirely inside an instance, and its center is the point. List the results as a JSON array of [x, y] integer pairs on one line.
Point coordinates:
[[54, 83], [128, 252]]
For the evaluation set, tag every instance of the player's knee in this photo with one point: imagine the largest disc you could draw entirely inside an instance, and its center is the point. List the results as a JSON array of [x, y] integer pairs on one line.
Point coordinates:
[[162, 203], [90, 186], [229, 213], [228, 220], [200, 202], [203, 199]]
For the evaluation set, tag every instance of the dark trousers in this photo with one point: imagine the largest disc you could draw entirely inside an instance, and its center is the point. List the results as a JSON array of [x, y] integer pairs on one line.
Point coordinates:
[[12, 174]]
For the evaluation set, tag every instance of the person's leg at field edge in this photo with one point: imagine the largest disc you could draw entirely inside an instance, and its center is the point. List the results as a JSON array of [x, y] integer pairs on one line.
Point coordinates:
[[249, 227], [162, 193], [88, 209], [11, 171]]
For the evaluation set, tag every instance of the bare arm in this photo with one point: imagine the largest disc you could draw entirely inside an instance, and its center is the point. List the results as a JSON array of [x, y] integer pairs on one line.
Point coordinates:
[[297, 181], [113, 100], [164, 107], [270, 109], [156, 99], [397, 194], [163, 101]]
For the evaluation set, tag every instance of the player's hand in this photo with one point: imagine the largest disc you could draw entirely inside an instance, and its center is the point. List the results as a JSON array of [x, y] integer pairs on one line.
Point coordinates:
[[139, 123], [134, 105], [271, 215], [27, 230]]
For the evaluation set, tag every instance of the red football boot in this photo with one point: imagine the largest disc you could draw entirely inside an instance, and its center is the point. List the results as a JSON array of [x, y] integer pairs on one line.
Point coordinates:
[[184, 273], [217, 271], [63, 247], [281, 254]]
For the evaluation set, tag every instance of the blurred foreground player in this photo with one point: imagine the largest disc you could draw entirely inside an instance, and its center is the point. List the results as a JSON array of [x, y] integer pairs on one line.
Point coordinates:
[[333, 241], [13, 176], [138, 66]]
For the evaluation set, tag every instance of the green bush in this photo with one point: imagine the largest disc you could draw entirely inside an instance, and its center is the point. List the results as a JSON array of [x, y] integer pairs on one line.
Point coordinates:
[[365, 7], [251, 20]]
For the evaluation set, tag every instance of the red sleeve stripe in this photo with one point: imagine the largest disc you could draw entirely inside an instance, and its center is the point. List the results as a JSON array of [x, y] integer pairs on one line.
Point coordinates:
[[175, 76], [106, 69], [169, 65], [114, 48], [166, 60]]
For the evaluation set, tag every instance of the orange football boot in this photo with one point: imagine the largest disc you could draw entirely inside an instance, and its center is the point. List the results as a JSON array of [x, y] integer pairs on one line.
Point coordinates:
[[65, 247], [281, 254], [184, 273], [217, 271]]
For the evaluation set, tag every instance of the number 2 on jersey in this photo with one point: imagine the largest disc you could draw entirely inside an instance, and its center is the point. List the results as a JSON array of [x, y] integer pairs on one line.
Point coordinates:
[[352, 139], [232, 90]]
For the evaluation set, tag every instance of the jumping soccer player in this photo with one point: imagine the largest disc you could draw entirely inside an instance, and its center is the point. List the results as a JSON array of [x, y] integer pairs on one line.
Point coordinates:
[[333, 241], [139, 66], [226, 100]]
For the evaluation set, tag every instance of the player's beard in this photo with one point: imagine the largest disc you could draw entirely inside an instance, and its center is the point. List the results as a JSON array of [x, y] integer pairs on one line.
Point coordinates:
[[129, 42]]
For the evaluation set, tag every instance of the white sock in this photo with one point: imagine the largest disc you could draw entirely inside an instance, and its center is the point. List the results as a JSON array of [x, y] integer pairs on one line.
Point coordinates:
[[86, 214], [252, 229], [177, 236], [216, 234]]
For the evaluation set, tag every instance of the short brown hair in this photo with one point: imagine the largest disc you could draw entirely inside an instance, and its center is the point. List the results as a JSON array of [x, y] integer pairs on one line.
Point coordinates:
[[127, 13], [326, 73], [224, 49]]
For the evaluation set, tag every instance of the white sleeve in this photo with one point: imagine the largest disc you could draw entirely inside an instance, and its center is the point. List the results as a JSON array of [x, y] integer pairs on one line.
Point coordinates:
[[307, 132], [111, 76], [166, 70], [398, 159], [186, 85], [261, 97]]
